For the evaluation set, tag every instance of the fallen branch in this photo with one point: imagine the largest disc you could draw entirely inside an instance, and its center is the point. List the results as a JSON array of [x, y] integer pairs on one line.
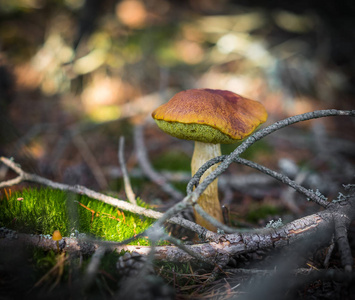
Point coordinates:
[[90, 160], [127, 183], [225, 161], [246, 183], [148, 169], [81, 190], [317, 227], [226, 245], [280, 177], [93, 266]]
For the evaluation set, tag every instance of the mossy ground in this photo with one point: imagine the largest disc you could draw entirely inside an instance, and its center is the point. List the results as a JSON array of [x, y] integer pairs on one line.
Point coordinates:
[[263, 212], [43, 273], [41, 211], [174, 161], [255, 150]]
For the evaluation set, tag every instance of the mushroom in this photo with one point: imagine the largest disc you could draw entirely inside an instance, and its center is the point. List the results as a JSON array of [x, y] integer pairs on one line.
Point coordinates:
[[57, 236], [210, 118]]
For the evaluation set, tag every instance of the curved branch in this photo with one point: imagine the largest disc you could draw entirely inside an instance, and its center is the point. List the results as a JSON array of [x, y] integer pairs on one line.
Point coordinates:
[[224, 245], [227, 160], [127, 183], [148, 169], [169, 217], [280, 177], [341, 223]]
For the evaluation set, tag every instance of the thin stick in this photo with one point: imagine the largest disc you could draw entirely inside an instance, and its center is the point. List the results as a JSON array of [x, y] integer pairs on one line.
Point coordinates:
[[341, 225], [127, 183], [286, 180], [24, 176], [283, 178], [318, 226], [191, 199], [189, 251], [148, 169], [257, 136], [93, 266], [329, 252], [90, 159]]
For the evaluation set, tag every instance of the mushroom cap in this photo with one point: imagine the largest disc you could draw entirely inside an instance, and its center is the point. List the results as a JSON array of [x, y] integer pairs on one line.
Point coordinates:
[[210, 116], [57, 236]]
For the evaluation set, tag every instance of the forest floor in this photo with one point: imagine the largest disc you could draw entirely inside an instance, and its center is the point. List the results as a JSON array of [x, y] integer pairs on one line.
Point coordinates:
[[68, 95]]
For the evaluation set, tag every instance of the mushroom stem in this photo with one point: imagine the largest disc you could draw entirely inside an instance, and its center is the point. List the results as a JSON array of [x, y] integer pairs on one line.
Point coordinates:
[[209, 199]]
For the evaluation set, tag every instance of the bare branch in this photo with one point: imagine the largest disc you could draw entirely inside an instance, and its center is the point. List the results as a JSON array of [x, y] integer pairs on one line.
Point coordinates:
[[284, 179], [127, 183], [221, 227], [91, 161], [24, 176], [329, 253], [12, 182], [225, 245], [186, 249], [227, 160], [274, 174], [147, 167], [318, 226], [342, 222], [93, 266]]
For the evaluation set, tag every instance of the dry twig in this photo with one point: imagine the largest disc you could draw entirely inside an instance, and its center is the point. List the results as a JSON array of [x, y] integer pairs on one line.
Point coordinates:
[[225, 161], [318, 227], [90, 159], [147, 167], [127, 183], [24, 176], [93, 266], [225, 245]]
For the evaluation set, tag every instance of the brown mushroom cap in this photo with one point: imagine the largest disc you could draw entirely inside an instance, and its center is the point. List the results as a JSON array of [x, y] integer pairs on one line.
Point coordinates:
[[57, 236], [210, 116]]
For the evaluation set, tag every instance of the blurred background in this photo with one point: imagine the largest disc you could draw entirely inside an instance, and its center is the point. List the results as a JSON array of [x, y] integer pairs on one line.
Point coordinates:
[[75, 75]]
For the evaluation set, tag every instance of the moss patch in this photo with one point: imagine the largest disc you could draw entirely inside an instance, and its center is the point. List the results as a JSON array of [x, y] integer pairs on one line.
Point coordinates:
[[41, 211], [174, 161], [262, 212], [252, 152]]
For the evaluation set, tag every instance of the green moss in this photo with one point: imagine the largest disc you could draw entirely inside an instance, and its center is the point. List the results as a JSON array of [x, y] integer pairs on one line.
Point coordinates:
[[262, 212], [252, 152], [44, 210], [257, 148], [229, 148], [173, 160]]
